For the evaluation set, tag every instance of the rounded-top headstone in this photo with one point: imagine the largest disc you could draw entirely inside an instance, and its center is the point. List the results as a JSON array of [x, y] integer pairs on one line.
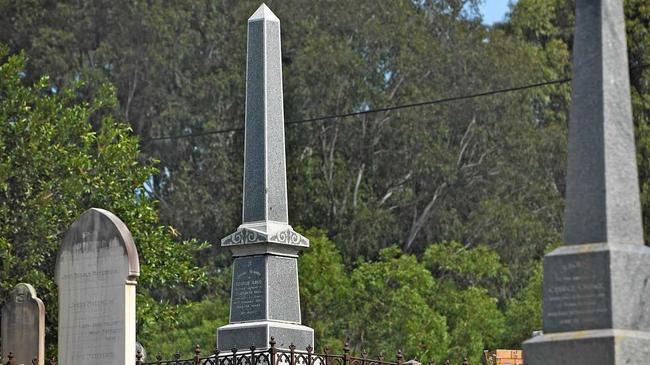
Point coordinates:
[[23, 325], [142, 350], [96, 272]]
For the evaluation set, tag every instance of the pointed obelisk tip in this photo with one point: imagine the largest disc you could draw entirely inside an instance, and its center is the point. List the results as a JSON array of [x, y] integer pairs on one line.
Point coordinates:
[[263, 13]]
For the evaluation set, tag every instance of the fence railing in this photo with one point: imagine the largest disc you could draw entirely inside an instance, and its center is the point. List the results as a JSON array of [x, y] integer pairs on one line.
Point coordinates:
[[275, 356], [269, 356]]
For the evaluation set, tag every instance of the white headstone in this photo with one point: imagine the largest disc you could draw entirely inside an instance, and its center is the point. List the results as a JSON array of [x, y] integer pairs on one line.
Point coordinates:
[[96, 271]]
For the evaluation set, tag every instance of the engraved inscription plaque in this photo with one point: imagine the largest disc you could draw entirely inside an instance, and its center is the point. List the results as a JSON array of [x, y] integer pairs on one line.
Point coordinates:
[[576, 292], [248, 289], [96, 271]]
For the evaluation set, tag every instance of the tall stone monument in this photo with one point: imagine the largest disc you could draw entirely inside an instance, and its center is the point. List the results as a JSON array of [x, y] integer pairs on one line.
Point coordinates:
[[96, 272], [23, 326], [264, 299], [597, 287]]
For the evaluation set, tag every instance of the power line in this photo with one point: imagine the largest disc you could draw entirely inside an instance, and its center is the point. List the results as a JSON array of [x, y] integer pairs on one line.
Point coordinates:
[[379, 110]]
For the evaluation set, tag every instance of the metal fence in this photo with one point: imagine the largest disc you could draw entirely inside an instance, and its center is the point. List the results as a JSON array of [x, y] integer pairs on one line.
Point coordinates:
[[275, 356], [270, 356]]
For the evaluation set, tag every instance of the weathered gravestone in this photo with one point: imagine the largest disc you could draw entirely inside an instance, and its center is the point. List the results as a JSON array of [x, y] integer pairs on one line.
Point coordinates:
[[23, 326], [264, 299], [96, 272], [597, 287]]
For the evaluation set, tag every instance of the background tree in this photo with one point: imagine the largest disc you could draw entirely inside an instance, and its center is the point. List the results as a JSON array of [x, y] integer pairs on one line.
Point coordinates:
[[413, 176], [53, 166]]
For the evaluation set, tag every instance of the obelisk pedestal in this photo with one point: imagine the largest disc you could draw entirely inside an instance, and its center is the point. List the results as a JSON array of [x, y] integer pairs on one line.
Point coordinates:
[[265, 301], [597, 287]]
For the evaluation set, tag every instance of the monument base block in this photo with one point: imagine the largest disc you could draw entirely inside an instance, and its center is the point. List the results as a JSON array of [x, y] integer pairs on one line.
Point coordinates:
[[597, 286], [258, 334], [594, 347]]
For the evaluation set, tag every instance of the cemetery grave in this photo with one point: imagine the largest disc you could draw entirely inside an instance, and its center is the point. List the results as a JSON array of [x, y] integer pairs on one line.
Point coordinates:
[[595, 286]]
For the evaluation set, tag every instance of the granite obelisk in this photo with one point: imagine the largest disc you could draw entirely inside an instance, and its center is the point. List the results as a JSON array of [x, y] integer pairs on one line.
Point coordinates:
[[265, 301], [597, 287]]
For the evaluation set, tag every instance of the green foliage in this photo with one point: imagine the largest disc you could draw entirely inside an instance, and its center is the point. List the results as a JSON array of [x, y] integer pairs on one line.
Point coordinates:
[[324, 289], [60, 156], [392, 307], [465, 275], [443, 312], [193, 324], [524, 312], [464, 266]]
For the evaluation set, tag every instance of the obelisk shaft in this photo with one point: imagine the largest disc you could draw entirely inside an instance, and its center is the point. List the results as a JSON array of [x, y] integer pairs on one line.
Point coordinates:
[[265, 187], [602, 197]]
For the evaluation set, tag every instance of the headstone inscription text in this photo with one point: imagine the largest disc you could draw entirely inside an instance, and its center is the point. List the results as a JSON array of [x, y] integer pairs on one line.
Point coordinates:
[[96, 271], [575, 293], [23, 326], [248, 289]]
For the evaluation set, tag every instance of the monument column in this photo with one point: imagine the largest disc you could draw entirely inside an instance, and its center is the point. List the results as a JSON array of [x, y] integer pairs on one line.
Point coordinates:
[[265, 301], [597, 287]]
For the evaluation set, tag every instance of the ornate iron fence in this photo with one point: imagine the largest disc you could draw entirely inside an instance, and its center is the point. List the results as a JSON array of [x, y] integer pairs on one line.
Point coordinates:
[[270, 356], [275, 356]]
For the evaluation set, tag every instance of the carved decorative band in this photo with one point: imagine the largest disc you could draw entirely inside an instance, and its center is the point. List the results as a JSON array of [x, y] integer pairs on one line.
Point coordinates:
[[289, 237], [246, 236]]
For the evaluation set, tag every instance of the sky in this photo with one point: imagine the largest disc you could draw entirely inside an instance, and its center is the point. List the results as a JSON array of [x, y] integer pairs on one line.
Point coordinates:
[[494, 10]]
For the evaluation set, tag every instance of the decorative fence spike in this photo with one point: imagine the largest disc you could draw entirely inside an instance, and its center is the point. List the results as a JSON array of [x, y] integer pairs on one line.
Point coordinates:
[[197, 354], [400, 357]]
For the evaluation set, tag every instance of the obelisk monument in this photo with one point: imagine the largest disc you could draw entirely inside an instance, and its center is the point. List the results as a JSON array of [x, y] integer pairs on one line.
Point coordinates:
[[597, 287], [265, 301]]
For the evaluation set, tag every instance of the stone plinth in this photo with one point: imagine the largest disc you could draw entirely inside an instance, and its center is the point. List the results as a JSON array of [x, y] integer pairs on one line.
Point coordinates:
[[265, 303], [23, 326], [592, 347], [96, 272], [596, 306]]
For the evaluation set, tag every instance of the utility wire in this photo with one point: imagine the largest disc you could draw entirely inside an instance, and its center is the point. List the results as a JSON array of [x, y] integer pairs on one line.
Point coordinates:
[[379, 110]]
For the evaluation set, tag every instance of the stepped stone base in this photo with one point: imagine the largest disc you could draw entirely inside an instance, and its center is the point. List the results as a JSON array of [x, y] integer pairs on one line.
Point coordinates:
[[594, 347], [258, 334]]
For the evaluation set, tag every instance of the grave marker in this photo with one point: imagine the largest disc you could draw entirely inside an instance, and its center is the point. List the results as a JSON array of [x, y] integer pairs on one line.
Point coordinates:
[[597, 287], [23, 326], [96, 272], [264, 299]]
